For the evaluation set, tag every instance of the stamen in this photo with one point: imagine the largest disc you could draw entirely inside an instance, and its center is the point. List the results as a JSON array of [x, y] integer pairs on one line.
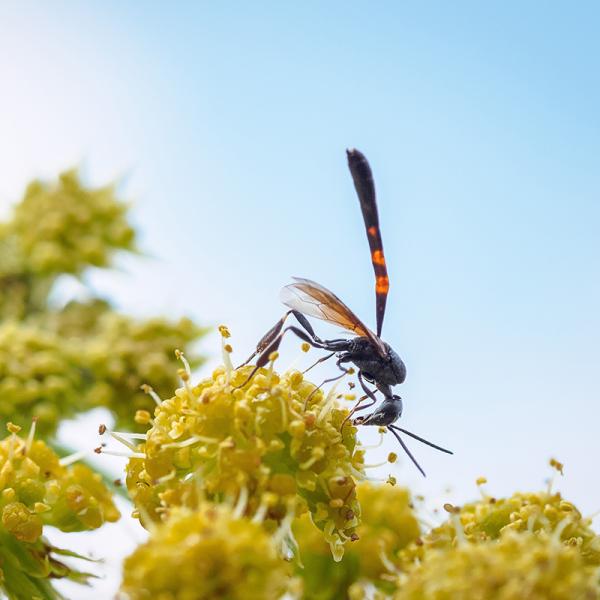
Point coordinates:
[[101, 450], [242, 503], [385, 561], [180, 356], [186, 373], [226, 351], [379, 443], [73, 458], [268, 499], [455, 518], [375, 465], [329, 400], [123, 441], [167, 477], [556, 535], [31, 434], [480, 482], [131, 435], [191, 440], [147, 389]]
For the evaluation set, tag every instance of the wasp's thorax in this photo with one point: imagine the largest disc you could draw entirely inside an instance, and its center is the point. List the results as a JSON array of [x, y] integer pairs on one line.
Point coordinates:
[[386, 371]]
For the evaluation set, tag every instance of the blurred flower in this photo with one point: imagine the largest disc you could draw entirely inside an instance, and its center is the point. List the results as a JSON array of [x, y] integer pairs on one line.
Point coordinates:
[[20, 291], [65, 227], [122, 354], [275, 445], [40, 376], [388, 524], [517, 566], [206, 553], [538, 513], [38, 489]]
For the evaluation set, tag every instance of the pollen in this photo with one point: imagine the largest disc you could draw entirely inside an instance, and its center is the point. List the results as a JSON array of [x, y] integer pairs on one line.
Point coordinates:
[[305, 346], [558, 466], [142, 417]]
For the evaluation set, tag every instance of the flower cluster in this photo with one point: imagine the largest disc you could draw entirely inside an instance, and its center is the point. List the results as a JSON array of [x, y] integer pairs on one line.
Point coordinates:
[[528, 546], [123, 354], [543, 512], [40, 376], [276, 442], [65, 227], [209, 552], [388, 524], [37, 489], [517, 566], [56, 362]]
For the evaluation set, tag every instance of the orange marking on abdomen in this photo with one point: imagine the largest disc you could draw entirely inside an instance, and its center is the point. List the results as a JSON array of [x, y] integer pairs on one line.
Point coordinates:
[[372, 230], [382, 285], [377, 257]]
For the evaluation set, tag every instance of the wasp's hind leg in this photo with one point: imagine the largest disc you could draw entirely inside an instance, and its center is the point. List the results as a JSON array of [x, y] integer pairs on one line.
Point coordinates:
[[275, 331], [272, 339], [343, 370]]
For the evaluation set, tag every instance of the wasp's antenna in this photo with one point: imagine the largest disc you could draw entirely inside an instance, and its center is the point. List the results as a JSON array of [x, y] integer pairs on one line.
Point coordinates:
[[416, 437], [393, 430]]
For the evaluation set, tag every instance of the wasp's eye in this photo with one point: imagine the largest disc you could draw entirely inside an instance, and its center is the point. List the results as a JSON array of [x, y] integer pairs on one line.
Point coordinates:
[[368, 377]]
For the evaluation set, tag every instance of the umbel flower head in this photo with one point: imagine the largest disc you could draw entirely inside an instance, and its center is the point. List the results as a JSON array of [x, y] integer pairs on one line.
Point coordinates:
[[40, 377], [517, 566], [37, 489], [65, 227], [120, 353], [15, 285], [276, 444], [209, 552], [388, 524], [543, 512]]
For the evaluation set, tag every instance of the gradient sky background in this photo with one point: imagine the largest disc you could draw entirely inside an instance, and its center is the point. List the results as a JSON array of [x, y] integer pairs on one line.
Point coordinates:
[[227, 124]]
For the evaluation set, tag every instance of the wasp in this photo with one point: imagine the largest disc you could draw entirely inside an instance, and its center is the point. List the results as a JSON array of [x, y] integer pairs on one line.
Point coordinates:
[[375, 361]]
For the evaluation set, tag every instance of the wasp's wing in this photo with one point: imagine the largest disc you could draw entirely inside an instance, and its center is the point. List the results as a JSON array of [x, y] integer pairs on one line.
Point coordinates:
[[311, 298], [365, 188]]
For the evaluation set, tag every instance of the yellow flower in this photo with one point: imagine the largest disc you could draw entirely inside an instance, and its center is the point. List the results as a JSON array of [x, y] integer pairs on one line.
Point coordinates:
[[120, 354], [487, 519], [64, 227], [37, 489], [388, 524], [517, 566], [207, 553], [276, 441], [39, 376]]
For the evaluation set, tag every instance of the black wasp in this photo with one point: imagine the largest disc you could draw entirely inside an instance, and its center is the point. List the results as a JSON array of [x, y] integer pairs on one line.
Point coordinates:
[[375, 360]]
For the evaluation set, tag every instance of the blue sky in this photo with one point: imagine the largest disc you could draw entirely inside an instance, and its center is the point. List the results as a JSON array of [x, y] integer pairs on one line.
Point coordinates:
[[227, 124]]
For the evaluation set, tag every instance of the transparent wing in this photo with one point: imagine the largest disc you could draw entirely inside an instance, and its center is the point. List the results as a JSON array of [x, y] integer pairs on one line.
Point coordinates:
[[312, 299]]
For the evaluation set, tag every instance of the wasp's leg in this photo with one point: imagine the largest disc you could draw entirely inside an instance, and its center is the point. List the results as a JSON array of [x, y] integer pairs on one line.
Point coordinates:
[[322, 359], [275, 331], [359, 406], [263, 358], [343, 370]]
